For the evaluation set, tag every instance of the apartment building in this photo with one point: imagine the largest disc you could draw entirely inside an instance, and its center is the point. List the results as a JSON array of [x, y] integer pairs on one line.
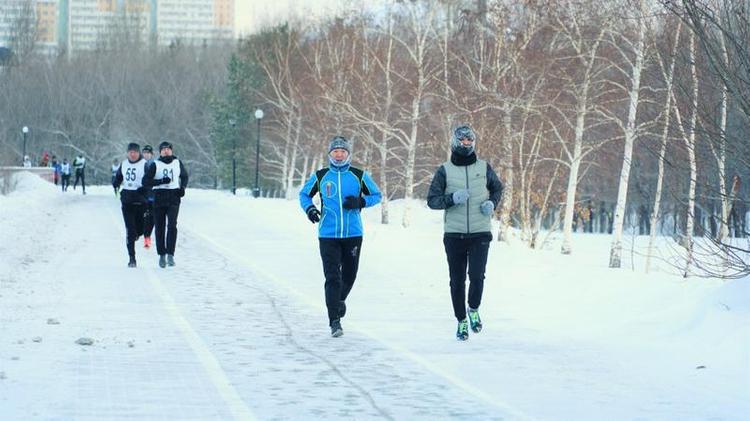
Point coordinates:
[[81, 25]]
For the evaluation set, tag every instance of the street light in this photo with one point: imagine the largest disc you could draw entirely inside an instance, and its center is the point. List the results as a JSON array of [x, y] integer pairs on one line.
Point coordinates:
[[232, 123], [258, 118], [25, 131]]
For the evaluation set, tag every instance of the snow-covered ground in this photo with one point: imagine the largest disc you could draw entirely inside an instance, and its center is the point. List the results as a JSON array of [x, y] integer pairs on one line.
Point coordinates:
[[238, 328]]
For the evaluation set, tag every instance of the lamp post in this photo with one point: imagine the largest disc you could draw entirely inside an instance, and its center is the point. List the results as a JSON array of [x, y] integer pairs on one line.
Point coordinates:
[[258, 118], [232, 123], [25, 131]]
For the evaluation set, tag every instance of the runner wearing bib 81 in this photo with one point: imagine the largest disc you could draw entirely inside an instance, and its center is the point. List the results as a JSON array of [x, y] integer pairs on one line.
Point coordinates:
[[168, 180]]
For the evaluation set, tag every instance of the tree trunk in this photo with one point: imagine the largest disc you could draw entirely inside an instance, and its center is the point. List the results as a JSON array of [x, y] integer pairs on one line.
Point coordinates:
[[662, 153], [693, 167], [615, 255], [543, 211], [384, 210], [570, 201], [411, 154], [506, 164], [721, 155], [287, 148], [293, 160], [575, 163], [383, 148]]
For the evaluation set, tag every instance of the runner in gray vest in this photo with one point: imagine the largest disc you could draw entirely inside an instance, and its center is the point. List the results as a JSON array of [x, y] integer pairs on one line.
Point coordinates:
[[468, 190]]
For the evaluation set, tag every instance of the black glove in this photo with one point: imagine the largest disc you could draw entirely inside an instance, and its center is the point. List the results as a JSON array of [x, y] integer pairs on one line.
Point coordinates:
[[313, 214], [354, 202], [142, 191], [182, 192], [166, 180]]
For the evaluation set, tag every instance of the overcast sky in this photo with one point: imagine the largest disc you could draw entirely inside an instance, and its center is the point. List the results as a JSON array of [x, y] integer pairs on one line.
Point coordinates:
[[253, 13]]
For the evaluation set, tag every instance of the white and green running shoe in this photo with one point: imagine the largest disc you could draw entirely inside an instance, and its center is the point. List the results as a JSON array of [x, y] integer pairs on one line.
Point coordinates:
[[474, 320], [462, 333]]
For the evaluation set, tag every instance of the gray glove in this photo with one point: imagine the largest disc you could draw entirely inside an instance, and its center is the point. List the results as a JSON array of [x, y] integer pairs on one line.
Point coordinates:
[[487, 207], [460, 196]]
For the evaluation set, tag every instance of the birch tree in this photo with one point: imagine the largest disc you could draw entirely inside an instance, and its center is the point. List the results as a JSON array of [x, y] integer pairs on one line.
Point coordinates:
[[720, 151], [416, 47], [630, 135], [690, 145], [668, 74], [579, 45]]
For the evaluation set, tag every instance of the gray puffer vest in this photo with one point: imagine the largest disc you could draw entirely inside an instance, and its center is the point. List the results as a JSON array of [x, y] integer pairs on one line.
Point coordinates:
[[467, 218]]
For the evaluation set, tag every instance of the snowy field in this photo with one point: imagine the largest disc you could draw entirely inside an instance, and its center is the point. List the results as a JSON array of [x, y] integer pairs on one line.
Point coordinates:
[[238, 329]]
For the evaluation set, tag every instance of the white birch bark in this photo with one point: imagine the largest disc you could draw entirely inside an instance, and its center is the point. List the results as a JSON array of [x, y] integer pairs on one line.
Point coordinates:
[[506, 163], [690, 143], [615, 256], [721, 154], [418, 52], [669, 76], [575, 164], [575, 157], [383, 146], [293, 159]]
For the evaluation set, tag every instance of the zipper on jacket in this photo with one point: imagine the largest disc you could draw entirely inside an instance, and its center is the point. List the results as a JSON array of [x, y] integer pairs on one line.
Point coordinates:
[[467, 201], [341, 206], [320, 224]]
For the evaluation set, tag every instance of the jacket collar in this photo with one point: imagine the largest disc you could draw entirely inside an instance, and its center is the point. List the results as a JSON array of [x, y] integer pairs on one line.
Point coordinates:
[[343, 168], [463, 161]]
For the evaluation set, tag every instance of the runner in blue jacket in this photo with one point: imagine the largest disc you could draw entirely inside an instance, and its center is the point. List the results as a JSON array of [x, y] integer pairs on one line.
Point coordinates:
[[344, 190]]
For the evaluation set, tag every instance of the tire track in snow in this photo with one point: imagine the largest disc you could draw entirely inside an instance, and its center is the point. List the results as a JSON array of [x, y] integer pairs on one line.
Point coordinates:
[[334, 367], [291, 339]]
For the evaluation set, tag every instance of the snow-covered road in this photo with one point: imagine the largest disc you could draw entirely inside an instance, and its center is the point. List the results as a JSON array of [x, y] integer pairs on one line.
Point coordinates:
[[207, 339], [238, 329]]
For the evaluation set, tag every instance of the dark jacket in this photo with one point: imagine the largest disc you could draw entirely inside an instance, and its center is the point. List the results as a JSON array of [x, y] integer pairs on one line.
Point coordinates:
[[148, 191], [165, 197]]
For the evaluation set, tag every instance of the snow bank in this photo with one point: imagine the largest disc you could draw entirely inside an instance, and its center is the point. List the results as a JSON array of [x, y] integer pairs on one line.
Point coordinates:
[[30, 185], [25, 214]]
